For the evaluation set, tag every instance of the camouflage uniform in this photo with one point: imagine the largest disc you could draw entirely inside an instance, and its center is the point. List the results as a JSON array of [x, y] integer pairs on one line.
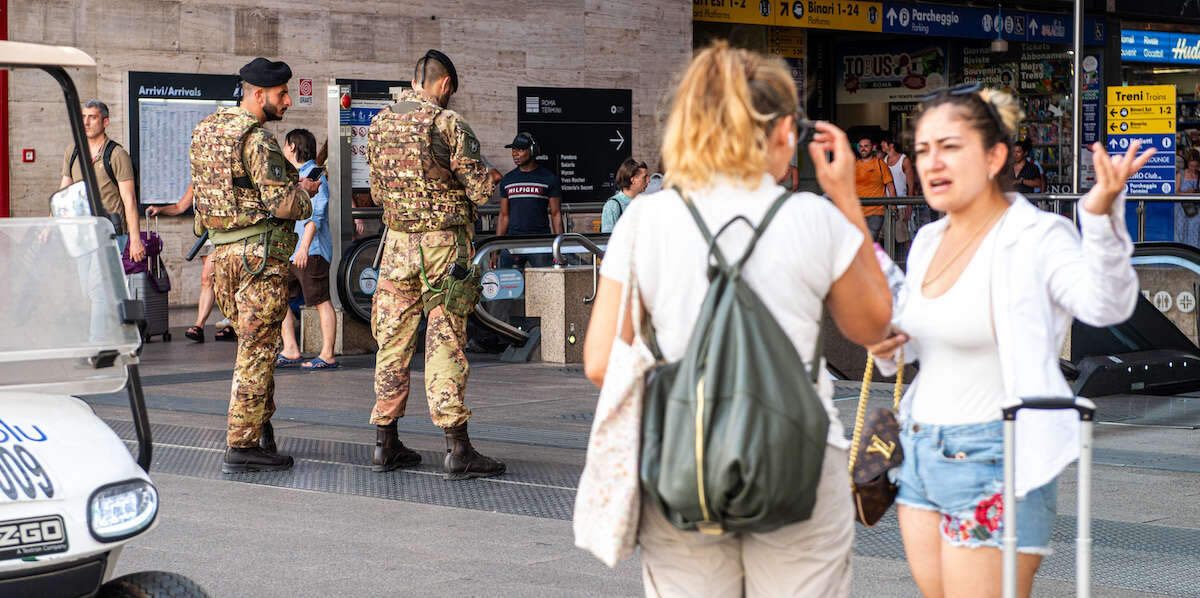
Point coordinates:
[[427, 174], [240, 181]]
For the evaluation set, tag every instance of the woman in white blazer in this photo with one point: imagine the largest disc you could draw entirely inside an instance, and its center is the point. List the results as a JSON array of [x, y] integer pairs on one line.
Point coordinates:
[[991, 292]]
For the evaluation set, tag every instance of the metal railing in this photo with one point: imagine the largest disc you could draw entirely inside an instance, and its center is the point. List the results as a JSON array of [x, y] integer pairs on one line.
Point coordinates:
[[1052, 202], [586, 243]]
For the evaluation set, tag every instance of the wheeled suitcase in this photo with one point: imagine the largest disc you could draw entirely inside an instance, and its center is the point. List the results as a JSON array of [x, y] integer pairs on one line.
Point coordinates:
[[1083, 537], [152, 286]]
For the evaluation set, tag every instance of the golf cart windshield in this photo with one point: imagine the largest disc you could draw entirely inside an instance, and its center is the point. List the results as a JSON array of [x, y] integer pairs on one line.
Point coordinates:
[[62, 292]]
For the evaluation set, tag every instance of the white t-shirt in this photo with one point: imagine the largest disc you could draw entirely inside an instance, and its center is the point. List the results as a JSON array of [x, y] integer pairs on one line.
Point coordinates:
[[898, 177], [807, 247], [960, 380]]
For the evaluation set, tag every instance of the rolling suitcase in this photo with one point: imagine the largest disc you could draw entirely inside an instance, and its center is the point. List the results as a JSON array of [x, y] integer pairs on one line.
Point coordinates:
[[150, 283], [1083, 538]]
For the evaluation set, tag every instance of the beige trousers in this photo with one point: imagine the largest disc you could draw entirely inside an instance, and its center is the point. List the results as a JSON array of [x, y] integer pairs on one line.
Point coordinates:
[[809, 558]]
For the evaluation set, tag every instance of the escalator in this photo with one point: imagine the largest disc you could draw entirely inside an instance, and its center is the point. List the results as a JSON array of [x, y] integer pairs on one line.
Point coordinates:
[[1155, 351], [357, 281]]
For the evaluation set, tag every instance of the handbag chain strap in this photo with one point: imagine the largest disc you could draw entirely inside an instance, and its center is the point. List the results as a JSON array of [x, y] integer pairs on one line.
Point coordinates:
[[862, 403]]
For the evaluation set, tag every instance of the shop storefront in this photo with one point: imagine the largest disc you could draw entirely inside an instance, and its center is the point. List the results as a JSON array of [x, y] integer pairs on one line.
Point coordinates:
[[865, 65], [1167, 58]]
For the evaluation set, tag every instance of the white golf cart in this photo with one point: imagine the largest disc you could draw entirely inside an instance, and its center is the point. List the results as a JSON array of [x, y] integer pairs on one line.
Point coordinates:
[[71, 494]]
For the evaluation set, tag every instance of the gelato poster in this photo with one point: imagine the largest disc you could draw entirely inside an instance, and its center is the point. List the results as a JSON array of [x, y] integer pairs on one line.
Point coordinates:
[[896, 71]]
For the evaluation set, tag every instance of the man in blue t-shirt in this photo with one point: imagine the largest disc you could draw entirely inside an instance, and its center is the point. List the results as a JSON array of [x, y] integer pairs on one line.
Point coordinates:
[[530, 200]]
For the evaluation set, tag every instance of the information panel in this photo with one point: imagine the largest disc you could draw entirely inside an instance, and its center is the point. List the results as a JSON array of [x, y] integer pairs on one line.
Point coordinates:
[[1145, 113], [583, 135], [163, 110]]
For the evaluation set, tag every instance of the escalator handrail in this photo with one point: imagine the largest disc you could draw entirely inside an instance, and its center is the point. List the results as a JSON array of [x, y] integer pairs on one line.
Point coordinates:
[[582, 240]]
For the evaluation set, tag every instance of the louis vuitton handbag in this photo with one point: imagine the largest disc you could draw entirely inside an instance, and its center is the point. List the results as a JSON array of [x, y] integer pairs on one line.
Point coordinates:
[[870, 459]]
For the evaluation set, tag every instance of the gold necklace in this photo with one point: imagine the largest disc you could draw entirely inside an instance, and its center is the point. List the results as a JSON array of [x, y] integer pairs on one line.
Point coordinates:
[[986, 225]]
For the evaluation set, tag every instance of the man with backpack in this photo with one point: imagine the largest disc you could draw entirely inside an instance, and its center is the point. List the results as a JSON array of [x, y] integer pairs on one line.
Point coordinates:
[[114, 175]]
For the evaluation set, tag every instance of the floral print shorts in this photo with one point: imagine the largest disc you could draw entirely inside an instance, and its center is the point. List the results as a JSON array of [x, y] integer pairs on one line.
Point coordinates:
[[958, 471]]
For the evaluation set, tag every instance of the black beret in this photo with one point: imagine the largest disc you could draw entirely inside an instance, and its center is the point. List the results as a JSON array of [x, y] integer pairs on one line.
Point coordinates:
[[264, 73]]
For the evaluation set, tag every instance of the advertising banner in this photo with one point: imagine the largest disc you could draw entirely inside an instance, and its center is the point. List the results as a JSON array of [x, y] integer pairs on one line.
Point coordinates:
[[1158, 46], [890, 72]]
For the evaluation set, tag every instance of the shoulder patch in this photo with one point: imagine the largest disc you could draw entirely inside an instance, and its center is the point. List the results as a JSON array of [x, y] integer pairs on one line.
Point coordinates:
[[276, 167], [470, 144]]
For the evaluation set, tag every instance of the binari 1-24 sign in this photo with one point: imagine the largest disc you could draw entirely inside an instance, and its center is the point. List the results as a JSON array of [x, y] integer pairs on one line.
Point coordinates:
[[847, 15]]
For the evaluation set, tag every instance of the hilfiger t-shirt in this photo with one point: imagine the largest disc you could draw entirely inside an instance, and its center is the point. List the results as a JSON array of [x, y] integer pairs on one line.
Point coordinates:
[[529, 196]]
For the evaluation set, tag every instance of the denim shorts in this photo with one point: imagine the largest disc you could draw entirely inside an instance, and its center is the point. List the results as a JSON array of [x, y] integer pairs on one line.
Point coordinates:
[[958, 471]]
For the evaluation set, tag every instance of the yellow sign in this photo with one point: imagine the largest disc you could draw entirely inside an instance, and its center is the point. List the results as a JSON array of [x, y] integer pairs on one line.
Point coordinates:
[[845, 15], [1141, 126], [1142, 109], [1142, 95], [750, 12]]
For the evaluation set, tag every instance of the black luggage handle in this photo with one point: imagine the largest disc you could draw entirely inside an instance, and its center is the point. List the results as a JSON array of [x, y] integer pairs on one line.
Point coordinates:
[[1086, 408]]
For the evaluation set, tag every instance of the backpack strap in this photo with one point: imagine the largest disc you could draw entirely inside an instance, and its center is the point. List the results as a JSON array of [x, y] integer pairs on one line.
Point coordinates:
[[109, 147], [762, 226], [758, 230]]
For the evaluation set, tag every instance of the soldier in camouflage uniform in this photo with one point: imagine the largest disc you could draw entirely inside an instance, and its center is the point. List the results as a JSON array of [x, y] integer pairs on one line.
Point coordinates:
[[427, 173], [247, 196]]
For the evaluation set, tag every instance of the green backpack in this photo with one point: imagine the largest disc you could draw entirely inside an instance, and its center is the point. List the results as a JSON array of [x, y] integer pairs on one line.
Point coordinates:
[[733, 434]]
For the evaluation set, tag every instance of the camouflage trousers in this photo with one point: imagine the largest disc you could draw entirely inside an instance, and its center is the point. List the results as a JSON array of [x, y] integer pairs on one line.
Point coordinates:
[[255, 304], [395, 316]]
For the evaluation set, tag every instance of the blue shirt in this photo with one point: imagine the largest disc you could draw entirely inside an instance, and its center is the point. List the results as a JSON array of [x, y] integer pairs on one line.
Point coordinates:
[[529, 196], [321, 244], [613, 209]]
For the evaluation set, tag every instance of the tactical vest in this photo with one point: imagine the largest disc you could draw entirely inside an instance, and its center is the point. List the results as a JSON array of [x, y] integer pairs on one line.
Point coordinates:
[[224, 196], [410, 170]]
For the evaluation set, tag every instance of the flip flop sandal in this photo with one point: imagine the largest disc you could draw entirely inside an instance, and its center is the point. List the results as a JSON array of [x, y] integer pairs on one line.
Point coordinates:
[[284, 362], [226, 334], [320, 364], [195, 333]]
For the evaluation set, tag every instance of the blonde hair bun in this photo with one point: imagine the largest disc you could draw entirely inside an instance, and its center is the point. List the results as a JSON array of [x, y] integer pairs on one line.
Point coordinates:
[[1006, 107]]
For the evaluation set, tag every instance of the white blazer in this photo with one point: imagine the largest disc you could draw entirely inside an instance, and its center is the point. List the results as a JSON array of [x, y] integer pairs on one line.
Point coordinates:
[[1043, 274]]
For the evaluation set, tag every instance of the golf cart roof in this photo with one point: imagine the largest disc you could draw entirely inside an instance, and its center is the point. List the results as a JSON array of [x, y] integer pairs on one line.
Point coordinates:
[[27, 54]]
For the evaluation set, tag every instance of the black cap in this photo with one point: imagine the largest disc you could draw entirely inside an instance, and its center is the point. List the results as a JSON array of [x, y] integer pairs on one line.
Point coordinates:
[[264, 73], [445, 61], [521, 141]]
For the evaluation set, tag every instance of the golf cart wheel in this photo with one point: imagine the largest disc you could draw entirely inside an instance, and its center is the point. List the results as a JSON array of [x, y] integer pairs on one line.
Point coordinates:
[[151, 584]]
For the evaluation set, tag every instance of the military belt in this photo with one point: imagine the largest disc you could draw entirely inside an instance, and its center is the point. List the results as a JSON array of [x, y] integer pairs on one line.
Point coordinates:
[[225, 237], [271, 234]]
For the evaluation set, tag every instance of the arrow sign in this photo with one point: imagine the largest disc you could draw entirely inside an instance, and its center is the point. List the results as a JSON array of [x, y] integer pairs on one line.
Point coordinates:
[[891, 16], [620, 141], [1033, 25]]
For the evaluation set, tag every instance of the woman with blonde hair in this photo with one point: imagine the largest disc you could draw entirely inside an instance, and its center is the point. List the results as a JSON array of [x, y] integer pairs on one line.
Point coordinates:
[[731, 131], [992, 290]]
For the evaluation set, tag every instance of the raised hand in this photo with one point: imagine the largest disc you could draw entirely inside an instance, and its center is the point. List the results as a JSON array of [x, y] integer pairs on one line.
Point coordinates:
[[1111, 175]]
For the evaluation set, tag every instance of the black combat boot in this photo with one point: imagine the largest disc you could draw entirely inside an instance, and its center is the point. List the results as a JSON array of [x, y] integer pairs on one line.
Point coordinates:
[[463, 462], [267, 442], [254, 458], [390, 453]]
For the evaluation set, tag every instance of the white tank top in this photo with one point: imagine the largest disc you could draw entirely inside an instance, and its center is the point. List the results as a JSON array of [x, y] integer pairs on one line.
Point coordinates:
[[898, 177], [960, 380]]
